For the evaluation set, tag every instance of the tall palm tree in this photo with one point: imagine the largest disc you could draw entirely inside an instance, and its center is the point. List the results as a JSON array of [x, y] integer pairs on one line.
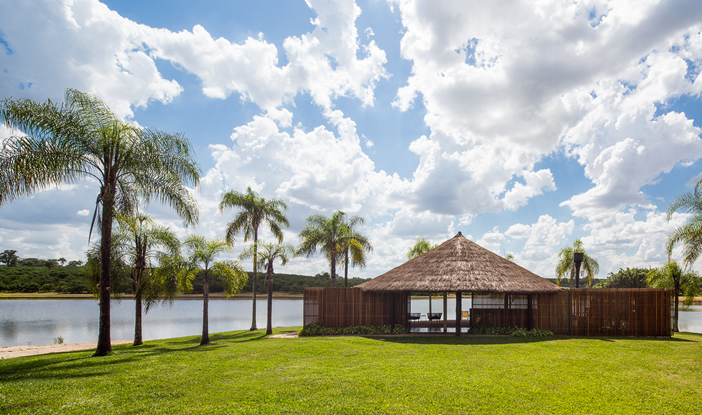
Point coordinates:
[[138, 240], [269, 253], [421, 245], [324, 234], [83, 138], [201, 257], [690, 234], [354, 243], [253, 212], [671, 275], [566, 265]]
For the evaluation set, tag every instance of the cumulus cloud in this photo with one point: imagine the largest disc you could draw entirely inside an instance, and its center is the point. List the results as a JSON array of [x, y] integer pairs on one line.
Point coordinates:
[[492, 240], [498, 99], [87, 46], [543, 240]]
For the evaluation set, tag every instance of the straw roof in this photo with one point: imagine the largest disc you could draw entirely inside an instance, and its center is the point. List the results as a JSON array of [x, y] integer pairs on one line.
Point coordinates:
[[460, 265]]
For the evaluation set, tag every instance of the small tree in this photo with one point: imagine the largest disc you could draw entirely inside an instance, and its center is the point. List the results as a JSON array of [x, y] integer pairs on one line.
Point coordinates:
[[324, 234], [626, 278], [566, 265], [201, 257], [421, 245], [671, 275], [254, 211], [9, 258], [138, 240], [268, 254]]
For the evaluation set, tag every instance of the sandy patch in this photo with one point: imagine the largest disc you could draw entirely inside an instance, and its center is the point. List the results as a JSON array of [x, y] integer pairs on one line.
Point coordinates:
[[288, 335], [20, 351]]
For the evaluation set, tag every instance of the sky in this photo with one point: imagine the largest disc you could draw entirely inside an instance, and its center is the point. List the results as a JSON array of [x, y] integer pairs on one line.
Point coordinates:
[[524, 125]]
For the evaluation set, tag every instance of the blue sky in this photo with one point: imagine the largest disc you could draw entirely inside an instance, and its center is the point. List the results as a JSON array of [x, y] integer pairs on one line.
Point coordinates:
[[525, 127]]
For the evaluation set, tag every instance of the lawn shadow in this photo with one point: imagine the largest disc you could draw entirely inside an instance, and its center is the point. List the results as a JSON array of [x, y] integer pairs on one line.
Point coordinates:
[[458, 340], [65, 364], [503, 339]]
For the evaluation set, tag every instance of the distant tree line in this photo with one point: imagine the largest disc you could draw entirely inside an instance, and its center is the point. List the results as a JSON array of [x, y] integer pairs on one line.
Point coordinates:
[[32, 275]]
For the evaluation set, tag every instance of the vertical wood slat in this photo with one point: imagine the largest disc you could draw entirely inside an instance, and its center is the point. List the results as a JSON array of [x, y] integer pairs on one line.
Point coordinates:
[[344, 307], [606, 312]]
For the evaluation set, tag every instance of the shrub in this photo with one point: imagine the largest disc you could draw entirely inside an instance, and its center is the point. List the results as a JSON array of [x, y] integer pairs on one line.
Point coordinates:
[[48, 287], [321, 330], [31, 287], [509, 331]]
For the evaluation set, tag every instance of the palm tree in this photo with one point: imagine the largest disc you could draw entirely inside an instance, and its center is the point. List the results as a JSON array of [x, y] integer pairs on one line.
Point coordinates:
[[421, 246], [354, 243], [324, 234], [83, 138], [690, 234], [254, 211], [566, 265], [202, 254], [137, 240], [671, 275], [268, 254]]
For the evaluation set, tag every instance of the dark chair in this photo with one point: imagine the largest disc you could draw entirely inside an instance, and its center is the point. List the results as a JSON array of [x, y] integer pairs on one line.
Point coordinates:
[[434, 316], [413, 316]]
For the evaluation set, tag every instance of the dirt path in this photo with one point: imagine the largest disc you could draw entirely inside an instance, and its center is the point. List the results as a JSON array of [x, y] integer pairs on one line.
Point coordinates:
[[20, 351]]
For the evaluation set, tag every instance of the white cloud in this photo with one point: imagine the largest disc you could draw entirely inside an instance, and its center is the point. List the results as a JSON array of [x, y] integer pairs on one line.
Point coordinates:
[[492, 240], [543, 240], [83, 212], [89, 47], [79, 44], [498, 99]]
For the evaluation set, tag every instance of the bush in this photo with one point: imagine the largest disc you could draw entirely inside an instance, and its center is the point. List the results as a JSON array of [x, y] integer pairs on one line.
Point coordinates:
[[48, 287], [31, 287], [509, 331], [321, 330]]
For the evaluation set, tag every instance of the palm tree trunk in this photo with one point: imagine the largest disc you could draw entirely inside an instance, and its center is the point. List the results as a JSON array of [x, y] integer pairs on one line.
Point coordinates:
[[269, 323], [675, 298], [346, 268], [137, 320], [205, 318], [255, 258], [333, 267], [104, 344]]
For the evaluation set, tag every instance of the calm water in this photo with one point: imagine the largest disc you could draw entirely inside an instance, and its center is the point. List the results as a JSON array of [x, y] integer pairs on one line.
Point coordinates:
[[690, 320], [38, 322]]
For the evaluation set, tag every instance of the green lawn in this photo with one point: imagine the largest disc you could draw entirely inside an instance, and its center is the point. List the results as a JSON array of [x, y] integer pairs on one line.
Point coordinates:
[[244, 372]]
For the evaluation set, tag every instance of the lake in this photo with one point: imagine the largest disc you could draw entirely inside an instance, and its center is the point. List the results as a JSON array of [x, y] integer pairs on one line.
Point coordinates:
[[39, 322]]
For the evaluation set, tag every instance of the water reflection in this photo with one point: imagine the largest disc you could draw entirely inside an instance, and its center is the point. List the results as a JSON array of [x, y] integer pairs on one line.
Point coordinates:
[[39, 322]]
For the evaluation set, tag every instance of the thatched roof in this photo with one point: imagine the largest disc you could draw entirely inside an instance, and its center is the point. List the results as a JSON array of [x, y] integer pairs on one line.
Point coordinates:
[[460, 265]]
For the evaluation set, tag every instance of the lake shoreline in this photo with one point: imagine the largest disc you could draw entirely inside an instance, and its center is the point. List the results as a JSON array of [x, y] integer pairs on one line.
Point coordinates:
[[213, 296]]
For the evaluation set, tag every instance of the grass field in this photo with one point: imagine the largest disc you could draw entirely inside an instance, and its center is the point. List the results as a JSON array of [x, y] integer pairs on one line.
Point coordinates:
[[245, 372]]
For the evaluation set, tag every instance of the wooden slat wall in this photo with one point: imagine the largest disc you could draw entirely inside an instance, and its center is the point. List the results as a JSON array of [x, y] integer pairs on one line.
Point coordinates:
[[582, 312], [606, 312], [346, 307]]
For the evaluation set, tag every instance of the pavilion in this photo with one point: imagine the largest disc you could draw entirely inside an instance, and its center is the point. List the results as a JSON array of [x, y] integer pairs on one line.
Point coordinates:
[[462, 266]]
